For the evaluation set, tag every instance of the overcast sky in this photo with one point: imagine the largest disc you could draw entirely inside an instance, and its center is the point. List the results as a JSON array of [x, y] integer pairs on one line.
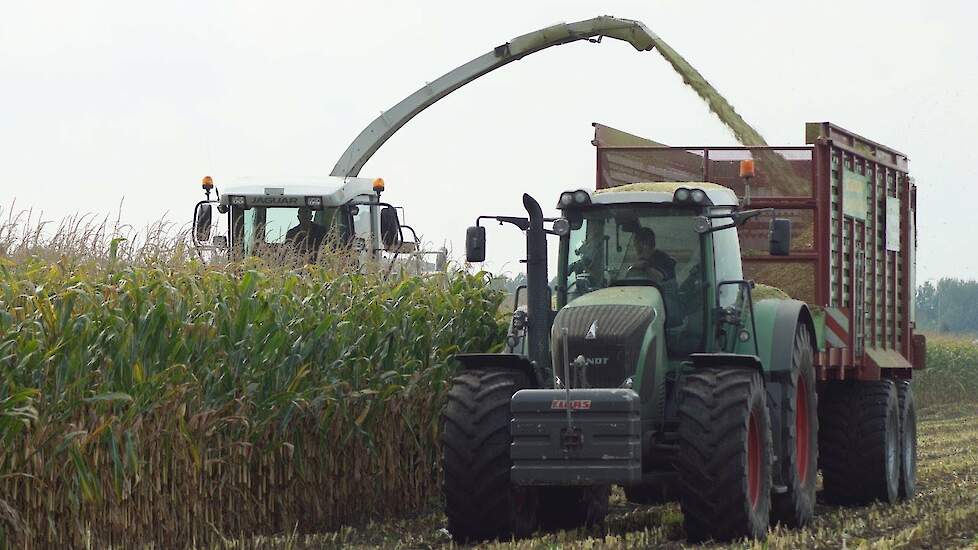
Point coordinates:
[[105, 100]]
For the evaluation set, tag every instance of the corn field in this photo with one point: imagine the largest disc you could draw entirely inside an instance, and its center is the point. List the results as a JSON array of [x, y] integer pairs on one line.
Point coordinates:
[[171, 403]]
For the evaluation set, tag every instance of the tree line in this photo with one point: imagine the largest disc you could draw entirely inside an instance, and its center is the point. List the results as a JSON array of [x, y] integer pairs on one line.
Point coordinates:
[[951, 305]]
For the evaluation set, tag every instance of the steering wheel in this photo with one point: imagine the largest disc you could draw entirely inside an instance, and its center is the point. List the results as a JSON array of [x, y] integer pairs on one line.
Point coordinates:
[[644, 272], [584, 278]]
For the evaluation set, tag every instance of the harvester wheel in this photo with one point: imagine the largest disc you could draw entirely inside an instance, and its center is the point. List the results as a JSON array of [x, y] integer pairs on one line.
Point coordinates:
[[480, 501], [799, 435], [908, 440], [572, 507], [724, 455], [659, 493], [859, 441]]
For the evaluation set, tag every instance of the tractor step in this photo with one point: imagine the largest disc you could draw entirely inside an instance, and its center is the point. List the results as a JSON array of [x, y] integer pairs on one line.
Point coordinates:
[[599, 442]]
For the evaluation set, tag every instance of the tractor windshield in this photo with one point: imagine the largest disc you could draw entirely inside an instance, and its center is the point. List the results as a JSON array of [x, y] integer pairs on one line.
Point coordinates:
[[281, 230], [630, 245]]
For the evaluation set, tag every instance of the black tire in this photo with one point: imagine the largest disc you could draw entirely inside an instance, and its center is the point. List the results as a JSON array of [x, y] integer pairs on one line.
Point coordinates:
[[859, 442], [480, 501], [572, 507], [908, 440], [659, 493], [724, 455], [799, 437]]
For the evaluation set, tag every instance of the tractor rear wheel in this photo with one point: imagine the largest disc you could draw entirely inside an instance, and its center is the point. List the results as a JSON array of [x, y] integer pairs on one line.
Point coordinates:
[[724, 455], [799, 437], [859, 441], [480, 501], [908, 440], [572, 507]]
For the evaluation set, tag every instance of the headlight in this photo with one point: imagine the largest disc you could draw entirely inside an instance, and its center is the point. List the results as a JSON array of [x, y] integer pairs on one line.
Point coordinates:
[[581, 196], [681, 195], [698, 196], [566, 199], [314, 202], [561, 226], [237, 200]]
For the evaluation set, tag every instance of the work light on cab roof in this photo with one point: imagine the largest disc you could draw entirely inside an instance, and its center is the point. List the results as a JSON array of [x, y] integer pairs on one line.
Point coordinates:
[[572, 198]]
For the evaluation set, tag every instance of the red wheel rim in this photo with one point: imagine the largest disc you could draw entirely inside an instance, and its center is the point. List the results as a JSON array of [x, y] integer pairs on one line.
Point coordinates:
[[802, 435], [753, 461]]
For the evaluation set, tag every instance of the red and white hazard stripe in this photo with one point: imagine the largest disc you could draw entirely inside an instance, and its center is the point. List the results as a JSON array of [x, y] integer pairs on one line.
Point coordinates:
[[836, 328]]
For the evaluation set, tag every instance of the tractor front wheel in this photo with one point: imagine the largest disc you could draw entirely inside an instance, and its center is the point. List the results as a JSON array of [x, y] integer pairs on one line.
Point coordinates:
[[480, 501], [724, 455]]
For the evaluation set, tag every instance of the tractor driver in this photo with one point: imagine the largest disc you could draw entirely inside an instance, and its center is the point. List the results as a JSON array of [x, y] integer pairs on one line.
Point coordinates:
[[660, 267], [652, 261], [307, 237]]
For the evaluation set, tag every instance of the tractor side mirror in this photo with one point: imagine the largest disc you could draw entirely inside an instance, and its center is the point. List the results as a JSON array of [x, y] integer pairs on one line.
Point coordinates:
[[475, 244], [390, 227], [779, 236], [441, 260], [220, 241], [202, 222]]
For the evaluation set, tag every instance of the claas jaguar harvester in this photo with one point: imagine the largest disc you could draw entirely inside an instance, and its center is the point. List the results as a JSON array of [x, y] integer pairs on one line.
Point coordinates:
[[668, 368]]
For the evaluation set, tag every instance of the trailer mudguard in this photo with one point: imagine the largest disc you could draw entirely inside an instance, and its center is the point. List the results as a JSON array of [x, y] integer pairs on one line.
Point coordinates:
[[501, 361]]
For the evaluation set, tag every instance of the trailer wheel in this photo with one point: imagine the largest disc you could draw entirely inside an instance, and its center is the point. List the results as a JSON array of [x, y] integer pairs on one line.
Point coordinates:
[[480, 501], [799, 435], [658, 493], [908, 440], [572, 507], [859, 442], [724, 455]]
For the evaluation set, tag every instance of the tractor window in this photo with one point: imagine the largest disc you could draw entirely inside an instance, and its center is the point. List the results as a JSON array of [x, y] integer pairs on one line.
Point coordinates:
[[726, 257], [631, 245]]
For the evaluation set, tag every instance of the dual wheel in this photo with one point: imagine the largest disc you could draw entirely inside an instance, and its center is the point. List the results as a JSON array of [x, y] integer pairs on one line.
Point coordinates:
[[868, 441], [726, 462], [480, 501]]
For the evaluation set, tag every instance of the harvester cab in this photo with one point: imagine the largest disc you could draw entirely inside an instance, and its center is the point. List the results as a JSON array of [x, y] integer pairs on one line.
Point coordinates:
[[654, 373], [305, 216]]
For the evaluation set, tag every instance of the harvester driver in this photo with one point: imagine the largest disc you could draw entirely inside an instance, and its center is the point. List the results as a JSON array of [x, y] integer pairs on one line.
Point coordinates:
[[307, 237]]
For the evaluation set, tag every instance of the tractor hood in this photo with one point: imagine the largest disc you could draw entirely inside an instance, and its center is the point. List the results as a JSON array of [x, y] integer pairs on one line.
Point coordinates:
[[613, 329]]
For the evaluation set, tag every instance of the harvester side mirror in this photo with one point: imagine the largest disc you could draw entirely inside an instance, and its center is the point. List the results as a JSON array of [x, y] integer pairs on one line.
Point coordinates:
[[779, 237], [441, 260], [475, 244], [220, 241], [202, 222], [390, 227]]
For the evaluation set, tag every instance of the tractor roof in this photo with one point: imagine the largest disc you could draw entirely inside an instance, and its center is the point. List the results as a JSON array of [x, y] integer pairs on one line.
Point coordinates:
[[662, 191]]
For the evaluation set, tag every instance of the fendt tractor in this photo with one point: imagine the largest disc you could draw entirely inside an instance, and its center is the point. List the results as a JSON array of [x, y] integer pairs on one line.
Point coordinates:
[[666, 369], [343, 213]]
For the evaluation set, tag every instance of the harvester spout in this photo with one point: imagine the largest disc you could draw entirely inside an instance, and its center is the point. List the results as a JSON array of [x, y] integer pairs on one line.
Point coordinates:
[[383, 127]]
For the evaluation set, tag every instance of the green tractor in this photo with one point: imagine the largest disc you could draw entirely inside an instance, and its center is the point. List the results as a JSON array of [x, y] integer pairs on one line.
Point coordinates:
[[657, 371]]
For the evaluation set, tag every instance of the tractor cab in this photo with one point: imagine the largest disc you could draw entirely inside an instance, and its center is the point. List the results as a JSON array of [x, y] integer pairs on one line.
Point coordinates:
[[301, 216]]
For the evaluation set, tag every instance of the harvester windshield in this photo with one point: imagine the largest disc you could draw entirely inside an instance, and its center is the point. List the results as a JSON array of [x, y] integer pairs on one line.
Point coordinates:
[[644, 245], [294, 229]]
